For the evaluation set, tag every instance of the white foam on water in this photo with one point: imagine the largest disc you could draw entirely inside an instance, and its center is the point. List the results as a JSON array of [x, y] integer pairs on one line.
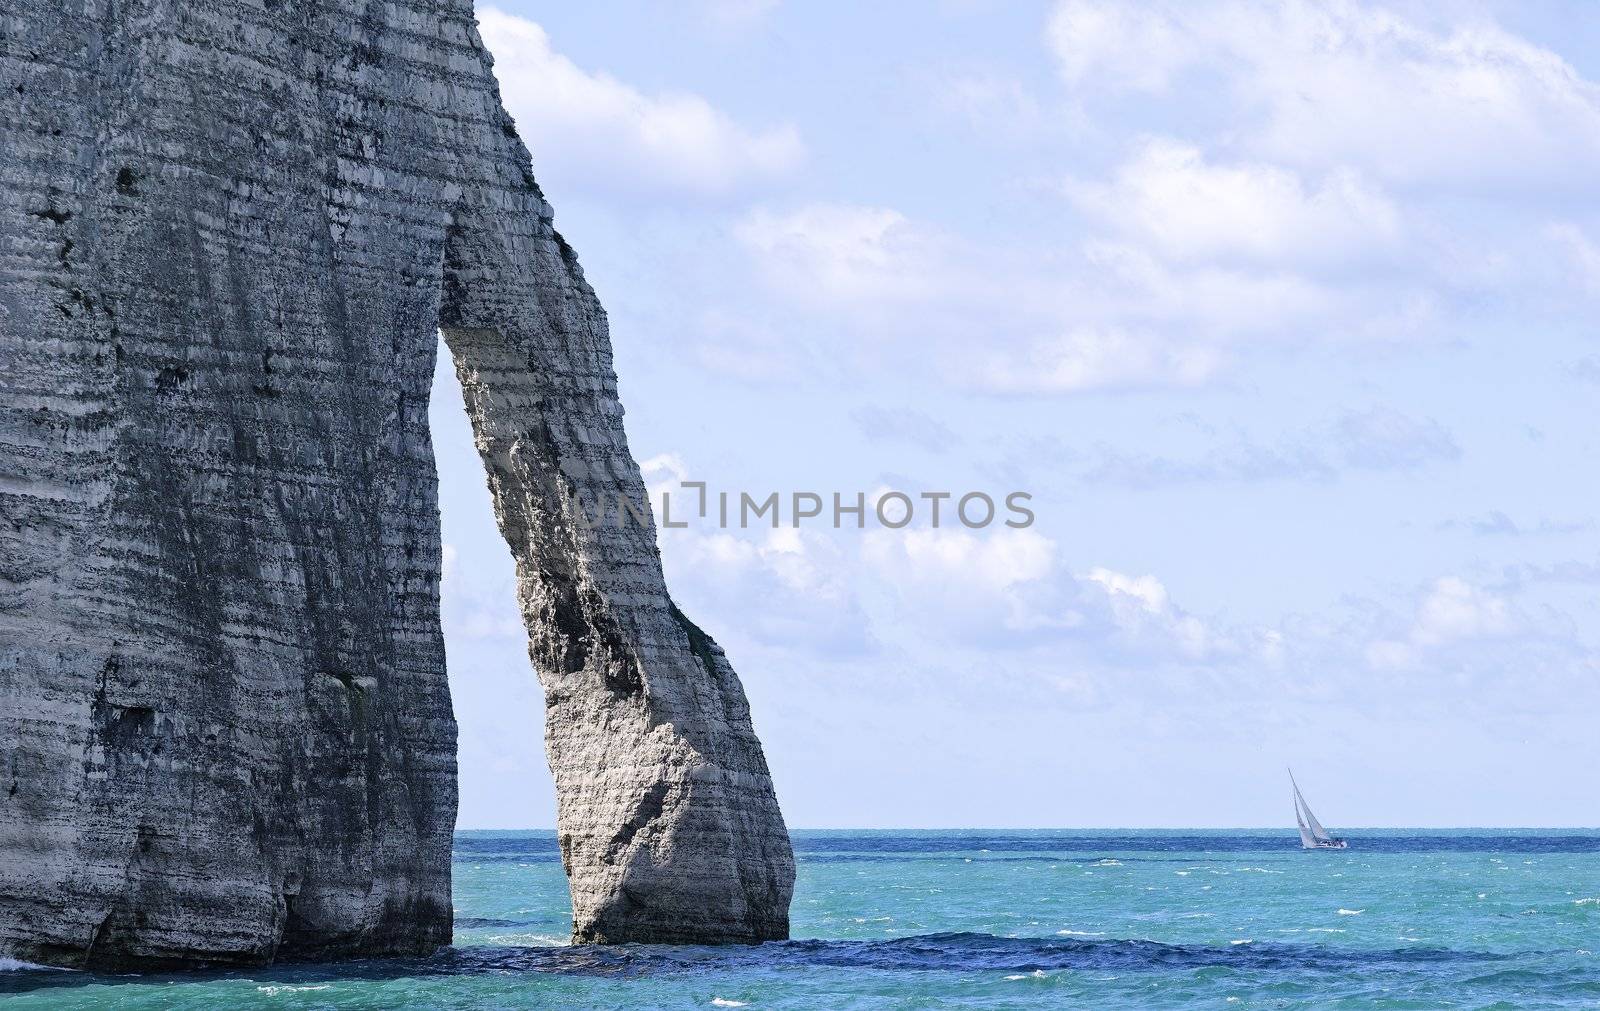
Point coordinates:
[[1351, 912], [1324, 930], [724, 1002], [532, 940], [273, 991], [17, 965], [1579, 902], [1243, 940], [1081, 933]]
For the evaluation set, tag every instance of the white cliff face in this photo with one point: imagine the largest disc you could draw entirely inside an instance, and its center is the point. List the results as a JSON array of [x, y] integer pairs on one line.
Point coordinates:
[[228, 233], [668, 825]]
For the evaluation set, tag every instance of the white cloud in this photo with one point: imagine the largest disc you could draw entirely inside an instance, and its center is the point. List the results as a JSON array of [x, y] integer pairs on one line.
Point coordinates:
[[1118, 45], [1455, 609], [1009, 589], [479, 603], [1346, 84], [1195, 251], [1129, 283], [996, 561], [1085, 360], [788, 589], [1384, 439], [1113, 313], [841, 251], [1377, 439], [1146, 591], [1451, 611], [998, 589], [593, 131], [1142, 610], [1582, 253], [663, 474], [959, 597], [1189, 260], [1172, 201]]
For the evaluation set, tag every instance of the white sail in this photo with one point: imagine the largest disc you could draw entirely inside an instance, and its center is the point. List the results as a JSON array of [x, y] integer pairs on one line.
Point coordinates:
[[1311, 823], [1312, 834], [1307, 840]]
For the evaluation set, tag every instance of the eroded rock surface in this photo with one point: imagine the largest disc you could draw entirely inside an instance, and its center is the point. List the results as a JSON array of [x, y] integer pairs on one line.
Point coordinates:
[[228, 232]]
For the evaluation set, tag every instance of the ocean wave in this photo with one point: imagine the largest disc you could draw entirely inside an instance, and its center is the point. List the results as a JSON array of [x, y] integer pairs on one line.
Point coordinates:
[[960, 952], [943, 951], [964, 952], [282, 988]]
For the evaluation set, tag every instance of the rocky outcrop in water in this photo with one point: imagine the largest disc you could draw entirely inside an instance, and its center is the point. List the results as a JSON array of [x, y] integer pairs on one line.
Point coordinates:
[[228, 232]]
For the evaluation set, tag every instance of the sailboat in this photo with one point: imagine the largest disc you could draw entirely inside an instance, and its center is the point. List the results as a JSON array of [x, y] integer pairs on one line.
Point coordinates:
[[1312, 835]]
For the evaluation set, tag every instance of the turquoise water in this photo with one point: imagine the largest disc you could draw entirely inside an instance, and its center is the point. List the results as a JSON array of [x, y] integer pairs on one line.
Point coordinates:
[[1403, 919]]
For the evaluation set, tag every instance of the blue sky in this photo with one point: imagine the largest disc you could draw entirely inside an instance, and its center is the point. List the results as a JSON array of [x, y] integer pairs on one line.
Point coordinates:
[[1281, 312]]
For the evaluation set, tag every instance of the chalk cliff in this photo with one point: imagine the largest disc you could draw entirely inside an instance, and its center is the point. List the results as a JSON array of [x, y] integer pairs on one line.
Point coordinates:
[[229, 231]]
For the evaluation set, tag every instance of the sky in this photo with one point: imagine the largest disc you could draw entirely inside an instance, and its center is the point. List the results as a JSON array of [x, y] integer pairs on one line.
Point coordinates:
[[1280, 312]]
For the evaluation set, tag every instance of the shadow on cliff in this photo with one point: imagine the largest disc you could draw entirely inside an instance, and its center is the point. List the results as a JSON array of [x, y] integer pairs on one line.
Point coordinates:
[[958, 952]]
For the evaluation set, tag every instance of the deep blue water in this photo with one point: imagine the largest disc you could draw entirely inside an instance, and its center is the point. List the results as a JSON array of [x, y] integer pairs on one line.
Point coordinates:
[[1404, 919]]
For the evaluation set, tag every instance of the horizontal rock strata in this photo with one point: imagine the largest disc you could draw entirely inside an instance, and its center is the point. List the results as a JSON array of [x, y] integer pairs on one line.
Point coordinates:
[[229, 230]]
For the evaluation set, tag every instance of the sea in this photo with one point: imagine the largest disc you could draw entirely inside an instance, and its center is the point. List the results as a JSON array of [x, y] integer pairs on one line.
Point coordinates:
[[1468, 918]]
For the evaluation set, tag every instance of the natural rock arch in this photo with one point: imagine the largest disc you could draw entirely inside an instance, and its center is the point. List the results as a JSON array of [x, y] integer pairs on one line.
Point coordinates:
[[230, 231]]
